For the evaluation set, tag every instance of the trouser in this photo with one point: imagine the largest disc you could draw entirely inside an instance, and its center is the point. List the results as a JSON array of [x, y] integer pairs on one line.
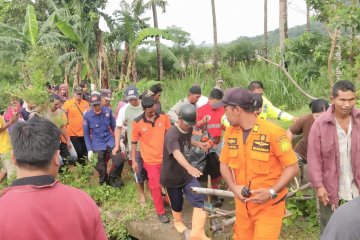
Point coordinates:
[[264, 225], [7, 167], [153, 173], [302, 176], [177, 199], [212, 168], [117, 161], [68, 156], [80, 148], [141, 174]]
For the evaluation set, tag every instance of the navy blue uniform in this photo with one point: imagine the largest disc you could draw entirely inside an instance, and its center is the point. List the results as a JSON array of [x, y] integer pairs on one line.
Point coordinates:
[[99, 138]]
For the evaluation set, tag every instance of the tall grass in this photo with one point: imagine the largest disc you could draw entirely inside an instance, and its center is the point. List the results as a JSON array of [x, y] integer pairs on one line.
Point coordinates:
[[278, 88]]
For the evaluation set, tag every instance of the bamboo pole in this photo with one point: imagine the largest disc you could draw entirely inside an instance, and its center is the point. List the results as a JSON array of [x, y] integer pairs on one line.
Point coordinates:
[[223, 224], [214, 192]]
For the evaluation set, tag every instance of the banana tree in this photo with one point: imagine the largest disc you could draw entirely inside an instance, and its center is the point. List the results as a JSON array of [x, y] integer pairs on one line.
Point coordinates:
[[140, 6], [19, 42], [72, 36], [142, 38]]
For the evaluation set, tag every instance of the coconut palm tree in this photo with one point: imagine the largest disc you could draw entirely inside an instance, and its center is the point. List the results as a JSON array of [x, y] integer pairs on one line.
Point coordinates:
[[282, 28], [265, 30], [307, 17], [216, 49]]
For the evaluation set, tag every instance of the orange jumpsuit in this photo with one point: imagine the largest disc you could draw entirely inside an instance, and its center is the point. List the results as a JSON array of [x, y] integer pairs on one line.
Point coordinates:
[[261, 160]]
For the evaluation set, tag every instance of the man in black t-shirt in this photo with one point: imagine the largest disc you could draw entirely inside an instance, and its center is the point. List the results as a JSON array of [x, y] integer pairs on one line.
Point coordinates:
[[178, 175]]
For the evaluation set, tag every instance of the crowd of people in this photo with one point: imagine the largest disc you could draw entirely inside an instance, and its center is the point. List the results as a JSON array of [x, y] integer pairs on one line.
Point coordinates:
[[225, 135]]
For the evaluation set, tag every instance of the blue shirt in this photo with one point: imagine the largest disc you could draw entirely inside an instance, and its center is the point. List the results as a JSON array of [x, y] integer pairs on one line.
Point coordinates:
[[99, 129]]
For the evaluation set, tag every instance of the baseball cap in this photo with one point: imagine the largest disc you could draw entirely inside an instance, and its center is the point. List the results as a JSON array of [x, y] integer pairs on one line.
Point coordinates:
[[147, 93], [237, 97], [107, 94], [95, 99], [78, 89], [195, 89], [132, 93]]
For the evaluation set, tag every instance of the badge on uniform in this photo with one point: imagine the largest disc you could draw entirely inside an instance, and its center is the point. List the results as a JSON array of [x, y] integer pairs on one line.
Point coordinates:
[[261, 146], [144, 129], [262, 138], [256, 128], [160, 124], [107, 114], [232, 143]]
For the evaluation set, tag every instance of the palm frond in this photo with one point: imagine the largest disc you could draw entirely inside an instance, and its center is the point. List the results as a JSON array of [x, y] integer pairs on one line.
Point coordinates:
[[150, 32], [7, 40], [53, 39], [67, 57], [9, 30]]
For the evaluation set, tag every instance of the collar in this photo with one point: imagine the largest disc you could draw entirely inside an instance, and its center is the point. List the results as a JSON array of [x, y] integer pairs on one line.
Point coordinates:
[[180, 130], [328, 116], [103, 110], [147, 121], [39, 181]]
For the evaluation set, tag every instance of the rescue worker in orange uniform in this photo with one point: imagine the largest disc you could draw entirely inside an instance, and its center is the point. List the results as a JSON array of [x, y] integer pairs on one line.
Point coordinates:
[[257, 162]]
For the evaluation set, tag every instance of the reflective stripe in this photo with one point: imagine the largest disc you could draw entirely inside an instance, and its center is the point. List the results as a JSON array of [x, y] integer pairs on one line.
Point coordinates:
[[210, 126]]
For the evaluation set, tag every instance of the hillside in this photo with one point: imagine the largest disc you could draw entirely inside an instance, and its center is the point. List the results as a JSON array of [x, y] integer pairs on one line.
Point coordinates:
[[273, 36]]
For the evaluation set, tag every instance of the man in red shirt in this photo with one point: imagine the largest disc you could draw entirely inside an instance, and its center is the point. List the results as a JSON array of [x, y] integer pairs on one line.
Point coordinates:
[[36, 206], [208, 121]]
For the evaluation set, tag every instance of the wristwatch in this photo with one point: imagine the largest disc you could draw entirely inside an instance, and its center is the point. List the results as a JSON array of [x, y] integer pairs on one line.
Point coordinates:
[[273, 194]]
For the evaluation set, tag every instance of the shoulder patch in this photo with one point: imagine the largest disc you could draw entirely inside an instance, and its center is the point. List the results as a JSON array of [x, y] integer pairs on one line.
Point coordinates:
[[285, 144]]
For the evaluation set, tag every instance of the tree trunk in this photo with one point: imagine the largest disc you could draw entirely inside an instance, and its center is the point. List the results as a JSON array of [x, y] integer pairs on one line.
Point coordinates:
[[307, 17], [123, 71], [66, 70], [331, 55], [103, 74], [351, 50], [282, 29], [265, 29], [77, 73], [66, 75], [215, 50], [286, 20], [338, 57], [116, 55], [134, 71], [157, 40]]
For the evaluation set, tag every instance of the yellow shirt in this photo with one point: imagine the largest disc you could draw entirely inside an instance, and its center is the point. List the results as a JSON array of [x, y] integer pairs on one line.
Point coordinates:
[[5, 143]]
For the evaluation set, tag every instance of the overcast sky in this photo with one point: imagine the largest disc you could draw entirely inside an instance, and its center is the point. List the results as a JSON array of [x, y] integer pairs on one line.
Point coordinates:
[[235, 18]]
